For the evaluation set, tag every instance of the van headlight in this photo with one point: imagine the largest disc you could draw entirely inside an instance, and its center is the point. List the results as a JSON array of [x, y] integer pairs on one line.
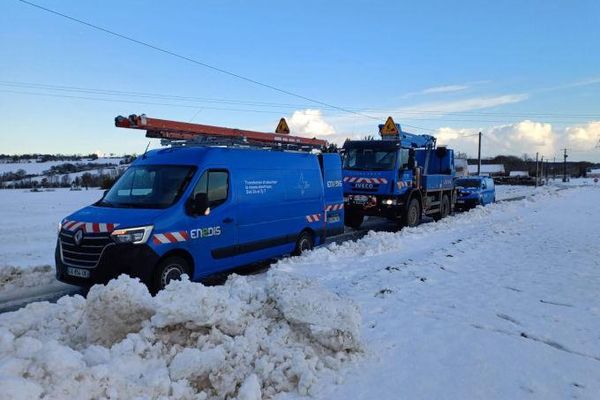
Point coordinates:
[[136, 235]]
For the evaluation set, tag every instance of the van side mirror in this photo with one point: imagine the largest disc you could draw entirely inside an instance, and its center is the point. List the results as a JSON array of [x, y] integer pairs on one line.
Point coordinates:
[[198, 205]]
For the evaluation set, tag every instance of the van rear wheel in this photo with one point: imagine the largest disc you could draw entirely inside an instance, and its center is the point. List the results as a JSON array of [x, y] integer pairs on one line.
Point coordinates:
[[169, 269], [304, 243]]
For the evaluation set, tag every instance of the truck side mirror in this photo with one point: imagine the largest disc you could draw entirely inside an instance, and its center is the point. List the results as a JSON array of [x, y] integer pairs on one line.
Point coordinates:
[[198, 205]]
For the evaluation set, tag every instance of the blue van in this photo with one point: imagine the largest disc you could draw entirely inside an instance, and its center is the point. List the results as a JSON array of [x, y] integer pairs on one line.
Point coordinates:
[[475, 190], [200, 210]]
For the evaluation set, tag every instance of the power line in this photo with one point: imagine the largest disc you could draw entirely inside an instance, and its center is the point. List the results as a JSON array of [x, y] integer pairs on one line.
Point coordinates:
[[62, 88], [201, 63], [192, 60], [137, 102]]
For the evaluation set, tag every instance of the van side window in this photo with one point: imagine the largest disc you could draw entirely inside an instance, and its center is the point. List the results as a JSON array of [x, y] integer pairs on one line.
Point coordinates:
[[215, 183]]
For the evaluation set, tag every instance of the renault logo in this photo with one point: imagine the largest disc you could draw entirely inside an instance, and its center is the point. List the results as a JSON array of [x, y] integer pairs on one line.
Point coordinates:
[[78, 237]]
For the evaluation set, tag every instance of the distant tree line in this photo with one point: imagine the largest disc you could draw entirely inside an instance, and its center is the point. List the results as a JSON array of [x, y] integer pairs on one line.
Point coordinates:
[[69, 168], [86, 180], [575, 169], [40, 158]]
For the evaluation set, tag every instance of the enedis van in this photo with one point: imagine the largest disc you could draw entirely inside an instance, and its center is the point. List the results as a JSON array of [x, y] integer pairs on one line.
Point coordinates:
[[199, 210]]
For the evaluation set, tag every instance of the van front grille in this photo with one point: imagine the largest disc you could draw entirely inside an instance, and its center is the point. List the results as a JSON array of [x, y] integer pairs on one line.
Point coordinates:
[[87, 253]]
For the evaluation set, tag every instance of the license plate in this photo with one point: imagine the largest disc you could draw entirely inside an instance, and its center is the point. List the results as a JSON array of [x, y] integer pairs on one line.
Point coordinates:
[[360, 199], [460, 201], [80, 273]]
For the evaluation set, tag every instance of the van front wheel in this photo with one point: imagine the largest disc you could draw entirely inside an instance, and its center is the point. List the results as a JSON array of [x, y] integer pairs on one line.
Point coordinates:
[[304, 243], [169, 269]]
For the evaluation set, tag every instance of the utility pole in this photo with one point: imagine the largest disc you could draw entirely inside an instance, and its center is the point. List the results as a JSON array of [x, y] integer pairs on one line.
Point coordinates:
[[536, 168], [542, 169], [565, 165], [479, 156]]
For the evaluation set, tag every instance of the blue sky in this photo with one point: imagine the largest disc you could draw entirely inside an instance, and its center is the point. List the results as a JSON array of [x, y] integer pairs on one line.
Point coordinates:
[[526, 73]]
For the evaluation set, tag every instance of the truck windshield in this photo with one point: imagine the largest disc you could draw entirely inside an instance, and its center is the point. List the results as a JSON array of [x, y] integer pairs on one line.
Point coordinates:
[[468, 183], [149, 186], [370, 159]]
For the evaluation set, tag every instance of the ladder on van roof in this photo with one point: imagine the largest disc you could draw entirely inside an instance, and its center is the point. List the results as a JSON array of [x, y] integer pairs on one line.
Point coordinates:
[[185, 133]]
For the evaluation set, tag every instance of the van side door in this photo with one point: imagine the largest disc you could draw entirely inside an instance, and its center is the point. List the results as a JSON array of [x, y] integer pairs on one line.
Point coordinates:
[[213, 236]]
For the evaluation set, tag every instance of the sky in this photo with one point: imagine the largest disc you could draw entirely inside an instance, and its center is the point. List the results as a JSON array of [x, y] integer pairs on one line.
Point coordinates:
[[525, 74]]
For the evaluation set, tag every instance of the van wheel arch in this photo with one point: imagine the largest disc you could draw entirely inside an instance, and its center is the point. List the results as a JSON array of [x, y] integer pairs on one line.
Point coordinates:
[[306, 232], [414, 195], [178, 253]]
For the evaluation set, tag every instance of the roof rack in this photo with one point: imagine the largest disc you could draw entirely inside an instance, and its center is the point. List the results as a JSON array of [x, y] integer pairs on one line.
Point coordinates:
[[188, 134]]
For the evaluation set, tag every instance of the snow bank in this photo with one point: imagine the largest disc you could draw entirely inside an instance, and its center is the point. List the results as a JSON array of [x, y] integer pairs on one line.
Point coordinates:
[[188, 342], [12, 277]]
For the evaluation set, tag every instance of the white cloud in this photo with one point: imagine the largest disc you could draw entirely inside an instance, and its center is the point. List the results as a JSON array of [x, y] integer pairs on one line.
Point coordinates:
[[444, 89], [515, 139], [474, 103], [527, 137], [583, 137], [310, 123]]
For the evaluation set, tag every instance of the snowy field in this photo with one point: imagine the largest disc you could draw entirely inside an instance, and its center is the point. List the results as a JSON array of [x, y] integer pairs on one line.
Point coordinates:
[[28, 233], [499, 302], [37, 168]]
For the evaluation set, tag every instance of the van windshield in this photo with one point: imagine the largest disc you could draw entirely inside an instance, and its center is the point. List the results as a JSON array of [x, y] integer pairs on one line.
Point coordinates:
[[149, 186], [468, 183], [369, 159]]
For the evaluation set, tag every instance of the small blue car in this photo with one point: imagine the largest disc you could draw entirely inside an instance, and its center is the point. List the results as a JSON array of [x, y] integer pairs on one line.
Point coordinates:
[[475, 190]]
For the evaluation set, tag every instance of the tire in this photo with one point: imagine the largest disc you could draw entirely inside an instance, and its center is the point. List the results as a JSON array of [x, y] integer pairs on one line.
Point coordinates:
[[444, 209], [304, 243], [353, 220], [171, 268], [412, 215]]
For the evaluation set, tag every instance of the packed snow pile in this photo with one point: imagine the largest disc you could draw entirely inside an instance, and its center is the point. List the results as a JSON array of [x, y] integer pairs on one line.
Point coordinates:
[[239, 340]]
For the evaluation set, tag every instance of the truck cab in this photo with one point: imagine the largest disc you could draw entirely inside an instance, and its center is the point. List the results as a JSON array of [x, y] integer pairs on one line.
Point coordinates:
[[400, 177]]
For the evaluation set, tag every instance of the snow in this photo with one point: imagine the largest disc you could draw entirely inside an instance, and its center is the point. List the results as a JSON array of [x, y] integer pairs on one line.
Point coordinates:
[[243, 339], [486, 169], [30, 220], [498, 302]]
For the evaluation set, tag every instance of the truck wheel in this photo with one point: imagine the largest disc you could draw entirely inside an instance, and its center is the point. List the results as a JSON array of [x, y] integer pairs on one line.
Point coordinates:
[[412, 215], [444, 209], [169, 269], [303, 243], [353, 220]]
